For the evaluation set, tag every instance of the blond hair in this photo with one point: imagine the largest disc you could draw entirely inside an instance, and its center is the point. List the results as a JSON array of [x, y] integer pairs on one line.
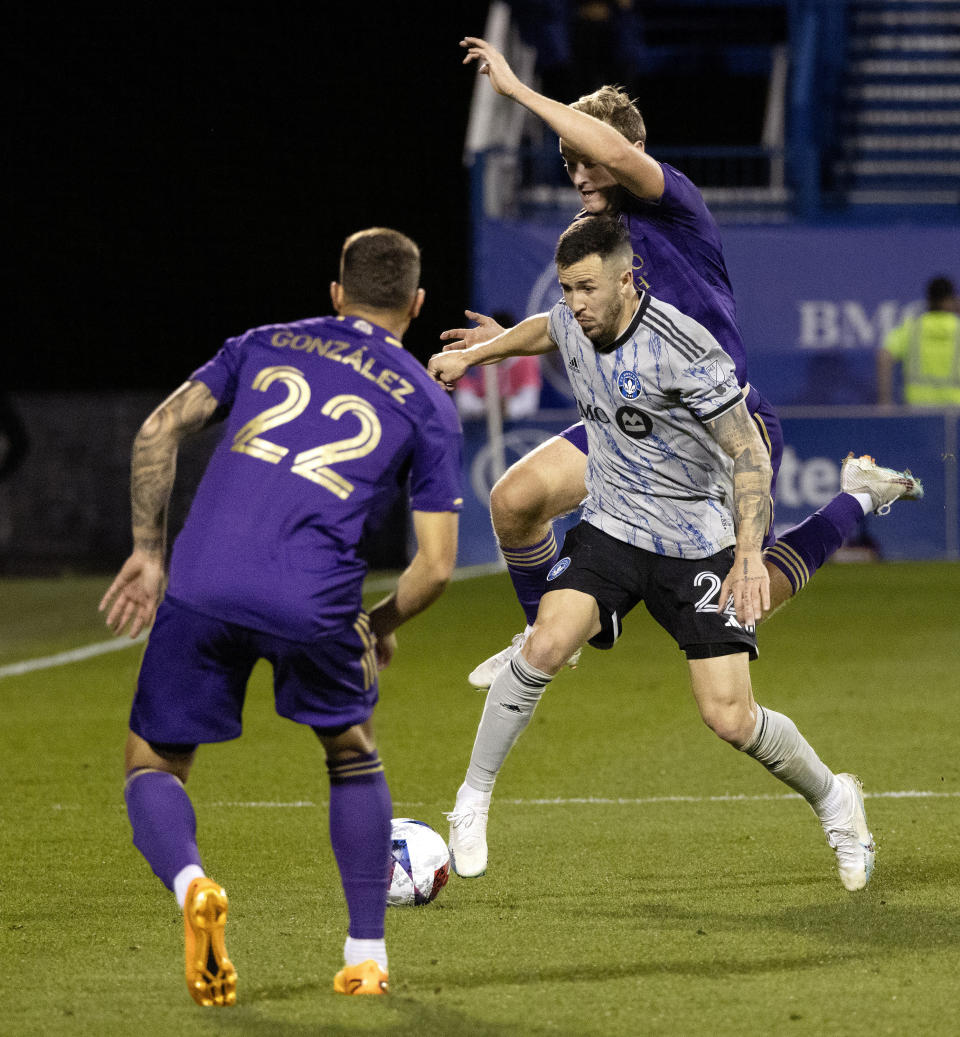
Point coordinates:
[[612, 105]]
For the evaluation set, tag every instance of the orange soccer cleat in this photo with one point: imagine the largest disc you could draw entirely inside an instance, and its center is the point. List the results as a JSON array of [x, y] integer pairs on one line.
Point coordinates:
[[365, 978], [211, 977]]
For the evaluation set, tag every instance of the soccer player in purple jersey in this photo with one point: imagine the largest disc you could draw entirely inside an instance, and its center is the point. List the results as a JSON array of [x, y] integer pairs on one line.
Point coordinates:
[[678, 256], [327, 422]]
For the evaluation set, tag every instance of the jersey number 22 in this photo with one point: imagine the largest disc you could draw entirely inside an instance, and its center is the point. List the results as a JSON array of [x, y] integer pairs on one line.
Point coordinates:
[[313, 464]]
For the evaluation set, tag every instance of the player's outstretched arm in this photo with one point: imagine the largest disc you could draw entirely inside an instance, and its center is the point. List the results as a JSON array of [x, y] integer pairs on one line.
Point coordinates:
[[531, 337], [594, 141], [748, 581], [422, 582], [134, 595], [462, 338]]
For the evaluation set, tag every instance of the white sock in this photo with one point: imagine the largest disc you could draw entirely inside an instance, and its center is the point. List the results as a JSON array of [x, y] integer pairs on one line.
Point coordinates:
[[787, 755], [864, 500], [357, 951], [511, 700], [182, 882], [471, 797]]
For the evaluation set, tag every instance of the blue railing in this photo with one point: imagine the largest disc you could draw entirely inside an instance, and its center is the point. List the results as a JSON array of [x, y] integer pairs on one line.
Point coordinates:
[[791, 163], [818, 35]]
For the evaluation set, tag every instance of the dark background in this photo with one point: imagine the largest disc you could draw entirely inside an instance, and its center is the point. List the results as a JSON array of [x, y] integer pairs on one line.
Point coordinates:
[[179, 173]]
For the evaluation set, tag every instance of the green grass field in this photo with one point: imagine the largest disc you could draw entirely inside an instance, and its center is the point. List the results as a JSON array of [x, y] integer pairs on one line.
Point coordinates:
[[644, 878]]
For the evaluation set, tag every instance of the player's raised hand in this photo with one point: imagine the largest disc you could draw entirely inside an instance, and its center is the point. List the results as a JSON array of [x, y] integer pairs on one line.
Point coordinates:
[[490, 62], [462, 338], [447, 368], [134, 595], [748, 583]]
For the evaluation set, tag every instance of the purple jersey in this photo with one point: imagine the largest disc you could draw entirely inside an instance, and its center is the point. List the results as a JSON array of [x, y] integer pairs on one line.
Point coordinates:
[[678, 258], [328, 419]]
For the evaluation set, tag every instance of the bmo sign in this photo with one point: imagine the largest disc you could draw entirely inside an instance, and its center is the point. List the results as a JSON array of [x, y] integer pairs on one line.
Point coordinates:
[[849, 323], [832, 287]]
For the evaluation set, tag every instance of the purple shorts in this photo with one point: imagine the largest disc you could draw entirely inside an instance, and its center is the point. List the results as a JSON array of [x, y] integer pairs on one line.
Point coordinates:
[[770, 432], [193, 679]]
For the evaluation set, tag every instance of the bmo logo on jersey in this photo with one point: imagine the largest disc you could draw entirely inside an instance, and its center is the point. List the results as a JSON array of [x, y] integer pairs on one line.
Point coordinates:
[[633, 422], [591, 412]]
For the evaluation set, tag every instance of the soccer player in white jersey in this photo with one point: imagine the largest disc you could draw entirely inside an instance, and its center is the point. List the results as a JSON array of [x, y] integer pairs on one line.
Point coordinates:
[[678, 483]]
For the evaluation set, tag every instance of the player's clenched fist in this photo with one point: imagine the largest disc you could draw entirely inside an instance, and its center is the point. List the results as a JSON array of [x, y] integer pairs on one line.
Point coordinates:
[[447, 368]]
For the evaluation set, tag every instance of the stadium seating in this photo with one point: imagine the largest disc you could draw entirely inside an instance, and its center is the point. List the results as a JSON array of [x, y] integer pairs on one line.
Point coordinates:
[[899, 139]]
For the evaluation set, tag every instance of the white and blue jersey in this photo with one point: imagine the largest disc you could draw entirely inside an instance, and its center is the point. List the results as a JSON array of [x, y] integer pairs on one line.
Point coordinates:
[[655, 478]]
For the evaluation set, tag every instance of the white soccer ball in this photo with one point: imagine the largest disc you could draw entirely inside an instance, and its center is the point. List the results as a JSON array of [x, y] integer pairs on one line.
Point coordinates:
[[419, 865]]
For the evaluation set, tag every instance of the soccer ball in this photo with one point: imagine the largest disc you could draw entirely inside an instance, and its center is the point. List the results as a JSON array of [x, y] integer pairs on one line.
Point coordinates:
[[419, 863]]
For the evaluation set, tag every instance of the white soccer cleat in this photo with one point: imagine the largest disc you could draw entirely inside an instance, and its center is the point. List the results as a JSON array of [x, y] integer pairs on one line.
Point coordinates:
[[486, 673], [850, 837], [468, 840], [885, 485]]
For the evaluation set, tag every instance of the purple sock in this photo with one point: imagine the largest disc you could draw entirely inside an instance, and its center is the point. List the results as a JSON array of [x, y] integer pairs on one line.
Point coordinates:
[[164, 824], [804, 548], [360, 813], [528, 568]]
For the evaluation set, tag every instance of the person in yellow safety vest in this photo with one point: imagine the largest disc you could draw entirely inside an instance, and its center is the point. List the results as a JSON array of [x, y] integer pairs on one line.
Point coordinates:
[[928, 349]]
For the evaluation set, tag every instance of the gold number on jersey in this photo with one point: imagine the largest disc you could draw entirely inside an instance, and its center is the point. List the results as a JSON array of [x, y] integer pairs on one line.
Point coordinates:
[[247, 440], [313, 464]]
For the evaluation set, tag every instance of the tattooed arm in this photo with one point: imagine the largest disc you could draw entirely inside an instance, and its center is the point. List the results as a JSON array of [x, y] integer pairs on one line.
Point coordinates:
[[748, 581], [134, 595]]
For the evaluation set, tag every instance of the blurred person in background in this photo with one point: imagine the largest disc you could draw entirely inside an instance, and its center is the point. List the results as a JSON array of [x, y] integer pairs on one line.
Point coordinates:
[[927, 350], [519, 381]]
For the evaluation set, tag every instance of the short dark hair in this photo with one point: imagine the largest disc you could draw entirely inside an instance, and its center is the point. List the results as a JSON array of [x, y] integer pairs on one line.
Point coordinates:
[[380, 268], [601, 235], [939, 291]]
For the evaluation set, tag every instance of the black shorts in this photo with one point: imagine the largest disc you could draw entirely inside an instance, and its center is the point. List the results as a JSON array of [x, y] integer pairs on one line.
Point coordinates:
[[680, 593]]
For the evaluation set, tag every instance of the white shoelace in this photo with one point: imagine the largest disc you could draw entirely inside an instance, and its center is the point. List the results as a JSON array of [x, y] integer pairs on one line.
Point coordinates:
[[465, 817]]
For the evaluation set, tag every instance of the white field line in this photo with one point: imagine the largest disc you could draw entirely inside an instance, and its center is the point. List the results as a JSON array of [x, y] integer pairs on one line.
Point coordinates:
[[116, 644], [590, 801], [74, 656], [618, 801]]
